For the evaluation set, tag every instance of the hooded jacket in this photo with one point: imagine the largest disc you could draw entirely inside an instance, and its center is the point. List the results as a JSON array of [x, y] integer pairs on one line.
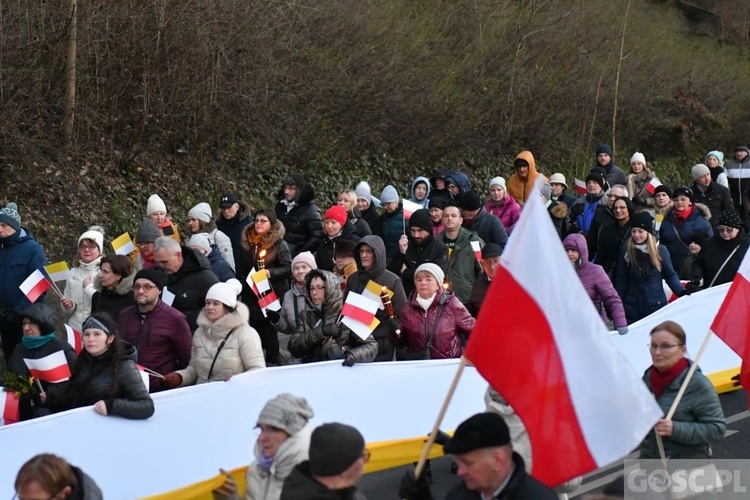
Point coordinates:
[[676, 239], [113, 301], [190, 284], [20, 255], [116, 381], [426, 200], [233, 227], [461, 180], [417, 325], [392, 227], [241, 353], [322, 337], [293, 304], [521, 188], [277, 259], [380, 275], [507, 210], [162, 337], [714, 253], [267, 485], [433, 250], [86, 489], [303, 222], [596, 283]]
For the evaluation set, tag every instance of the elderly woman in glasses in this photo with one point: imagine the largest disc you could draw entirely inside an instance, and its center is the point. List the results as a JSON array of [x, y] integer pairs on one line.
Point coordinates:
[[76, 299], [699, 418]]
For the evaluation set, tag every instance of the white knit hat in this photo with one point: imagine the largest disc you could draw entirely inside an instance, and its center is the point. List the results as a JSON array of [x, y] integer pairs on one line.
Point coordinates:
[[155, 204], [95, 234], [363, 191], [226, 293], [200, 240], [202, 211], [498, 181], [638, 157], [433, 269]]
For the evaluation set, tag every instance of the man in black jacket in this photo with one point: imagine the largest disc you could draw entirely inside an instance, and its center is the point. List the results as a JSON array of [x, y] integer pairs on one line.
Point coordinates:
[[418, 248], [487, 465], [301, 217], [712, 194]]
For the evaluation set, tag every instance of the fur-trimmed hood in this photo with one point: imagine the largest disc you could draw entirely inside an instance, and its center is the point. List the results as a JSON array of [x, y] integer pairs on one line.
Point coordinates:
[[703, 209], [124, 287], [558, 210], [268, 240]]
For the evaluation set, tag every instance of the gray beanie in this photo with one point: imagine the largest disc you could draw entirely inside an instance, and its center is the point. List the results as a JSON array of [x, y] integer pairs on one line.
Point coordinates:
[[363, 191], [202, 211], [287, 412], [10, 216], [546, 191], [699, 171], [498, 181], [433, 269], [147, 232], [334, 448], [200, 240], [389, 195]]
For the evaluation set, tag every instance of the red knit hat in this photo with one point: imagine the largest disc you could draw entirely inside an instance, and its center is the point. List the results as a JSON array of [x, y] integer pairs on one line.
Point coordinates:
[[337, 213]]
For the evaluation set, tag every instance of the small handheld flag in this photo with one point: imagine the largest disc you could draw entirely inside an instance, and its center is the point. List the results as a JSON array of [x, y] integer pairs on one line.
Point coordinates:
[[11, 412], [358, 314], [123, 245], [35, 285], [74, 338], [52, 368], [58, 271]]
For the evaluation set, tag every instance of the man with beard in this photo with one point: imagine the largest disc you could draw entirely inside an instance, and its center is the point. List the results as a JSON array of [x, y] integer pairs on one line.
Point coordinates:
[[417, 248], [299, 215], [463, 268], [158, 331]]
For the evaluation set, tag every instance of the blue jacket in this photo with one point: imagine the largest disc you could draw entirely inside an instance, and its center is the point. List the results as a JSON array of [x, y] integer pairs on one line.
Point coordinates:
[[639, 284], [678, 247], [392, 229], [20, 255], [219, 266]]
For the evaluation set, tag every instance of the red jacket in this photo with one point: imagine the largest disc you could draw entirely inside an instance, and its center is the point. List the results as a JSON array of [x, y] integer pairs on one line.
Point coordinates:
[[416, 326]]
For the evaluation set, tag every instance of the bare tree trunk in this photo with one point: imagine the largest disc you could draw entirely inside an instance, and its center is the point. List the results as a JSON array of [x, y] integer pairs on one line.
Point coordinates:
[[70, 73], [617, 79]]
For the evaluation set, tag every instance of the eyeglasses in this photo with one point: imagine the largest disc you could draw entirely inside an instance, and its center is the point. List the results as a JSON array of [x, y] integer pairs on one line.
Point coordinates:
[[145, 288], [27, 322], [725, 229], [317, 289], [611, 196], [262, 221], [88, 248], [662, 347]]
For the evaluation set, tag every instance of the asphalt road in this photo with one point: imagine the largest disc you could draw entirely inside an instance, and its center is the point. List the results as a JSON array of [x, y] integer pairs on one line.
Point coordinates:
[[736, 444]]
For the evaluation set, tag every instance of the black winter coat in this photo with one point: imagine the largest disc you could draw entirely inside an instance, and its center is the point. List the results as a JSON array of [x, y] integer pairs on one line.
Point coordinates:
[[488, 227], [383, 277], [326, 250], [303, 223], [278, 261], [712, 256], [113, 301], [55, 392], [190, 285], [372, 217], [300, 485], [235, 226], [716, 197], [433, 251], [608, 248], [117, 382]]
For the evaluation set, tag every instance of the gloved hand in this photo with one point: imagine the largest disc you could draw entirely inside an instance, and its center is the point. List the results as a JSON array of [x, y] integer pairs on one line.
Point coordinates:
[[331, 330], [273, 316], [694, 285], [394, 325], [622, 330], [683, 293], [349, 360], [413, 488], [172, 380]]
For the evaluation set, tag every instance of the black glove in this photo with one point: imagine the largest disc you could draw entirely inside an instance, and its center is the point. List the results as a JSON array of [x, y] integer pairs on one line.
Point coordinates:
[[349, 360], [442, 438], [683, 293], [273, 316], [694, 285], [331, 330], [394, 325], [413, 488]]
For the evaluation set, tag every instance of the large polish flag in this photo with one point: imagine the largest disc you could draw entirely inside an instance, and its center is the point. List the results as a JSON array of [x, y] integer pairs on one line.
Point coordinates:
[[52, 368], [732, 322], [35, 285], [409, 207], [546, 350], [9, 406]]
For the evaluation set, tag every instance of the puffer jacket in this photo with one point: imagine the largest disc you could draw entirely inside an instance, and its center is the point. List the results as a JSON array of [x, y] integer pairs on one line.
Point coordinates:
[[596, 283], [507, 210], [433, 251], [322, 338], [278, 261], [521, 188], [224, 244], [55, 392], [241, 353], [461, 180], [326, 250], [303, 223], [488, 228], [383, 278], [190, 284], [417, 325], [714, 253], [676, 239], [642, 199], [234, 227], [639, 284], [20, 255], [392, 228], [716, 197], [162, 337], [267, 485], [80, 296], [113, 301], [699, 418], [117, 382], [300, 485], [463, 269], [219, 266], [291, 306]]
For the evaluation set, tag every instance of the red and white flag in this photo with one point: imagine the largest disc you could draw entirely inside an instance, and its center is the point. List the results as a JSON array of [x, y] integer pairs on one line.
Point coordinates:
[[52, 368], [409, 208], [651, 186], [9, 405], [556, 364], [477, 250], [668, 293], [144, 376], [358, 314], [74, 338], [732, 322], [580, 186], [269, 301], [35, 285]]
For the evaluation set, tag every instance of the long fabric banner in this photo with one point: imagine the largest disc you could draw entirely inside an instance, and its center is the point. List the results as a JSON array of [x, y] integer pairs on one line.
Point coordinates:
[[196, 430]]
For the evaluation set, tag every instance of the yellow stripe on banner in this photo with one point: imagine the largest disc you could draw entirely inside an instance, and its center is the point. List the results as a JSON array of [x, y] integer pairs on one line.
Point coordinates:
[[121, 241], [384, 455], [722, 381]]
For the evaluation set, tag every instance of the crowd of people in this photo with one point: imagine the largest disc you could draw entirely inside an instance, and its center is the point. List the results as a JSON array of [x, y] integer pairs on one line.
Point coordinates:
[[189, 309]]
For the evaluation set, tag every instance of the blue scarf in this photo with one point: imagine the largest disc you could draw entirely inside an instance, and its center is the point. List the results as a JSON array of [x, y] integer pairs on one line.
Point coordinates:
[[265, 462], [37, 342], [586, 218]]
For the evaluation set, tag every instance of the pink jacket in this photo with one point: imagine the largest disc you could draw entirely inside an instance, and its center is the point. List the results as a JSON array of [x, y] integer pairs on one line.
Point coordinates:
[[508, 211]]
